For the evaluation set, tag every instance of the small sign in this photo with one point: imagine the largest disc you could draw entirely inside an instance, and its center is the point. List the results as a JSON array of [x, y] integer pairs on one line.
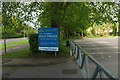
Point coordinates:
[[48, 39]]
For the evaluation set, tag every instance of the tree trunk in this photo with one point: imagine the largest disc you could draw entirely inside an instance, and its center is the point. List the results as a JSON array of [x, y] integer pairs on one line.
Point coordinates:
[[81, 33], [66, 33], [58, 22], [114, 30], [55, 24]]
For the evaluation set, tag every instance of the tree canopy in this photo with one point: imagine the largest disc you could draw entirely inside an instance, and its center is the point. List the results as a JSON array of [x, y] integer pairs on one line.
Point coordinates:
[[69, 17]]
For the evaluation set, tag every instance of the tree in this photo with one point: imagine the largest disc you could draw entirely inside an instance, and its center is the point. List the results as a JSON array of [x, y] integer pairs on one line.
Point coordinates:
[[105, 12], [64, 15], [15, 14]]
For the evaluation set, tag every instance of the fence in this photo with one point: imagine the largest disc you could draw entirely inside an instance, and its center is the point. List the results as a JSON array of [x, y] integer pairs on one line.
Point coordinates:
[[81, 57]]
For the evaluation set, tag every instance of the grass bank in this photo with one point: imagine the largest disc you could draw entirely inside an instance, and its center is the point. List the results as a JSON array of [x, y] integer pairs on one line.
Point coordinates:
[[15, 43], [26, 53]]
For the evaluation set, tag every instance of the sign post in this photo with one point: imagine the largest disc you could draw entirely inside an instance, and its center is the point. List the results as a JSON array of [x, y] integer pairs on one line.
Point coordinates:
[[48, 39]]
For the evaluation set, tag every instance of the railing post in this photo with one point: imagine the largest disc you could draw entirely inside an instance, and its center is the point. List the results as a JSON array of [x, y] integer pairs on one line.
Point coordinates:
[[70, 52], [87, 67], [76, 51], [70, 48], [95, 74], [80, 59], [73, 49], [101, 74]]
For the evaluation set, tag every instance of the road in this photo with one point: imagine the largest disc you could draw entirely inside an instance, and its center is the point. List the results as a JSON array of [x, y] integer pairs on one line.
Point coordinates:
[[13, 48], [12, 40], [104, 50]]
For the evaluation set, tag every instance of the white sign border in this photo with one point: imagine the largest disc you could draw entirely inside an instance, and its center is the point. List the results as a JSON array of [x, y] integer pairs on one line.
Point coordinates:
[[48, 48]]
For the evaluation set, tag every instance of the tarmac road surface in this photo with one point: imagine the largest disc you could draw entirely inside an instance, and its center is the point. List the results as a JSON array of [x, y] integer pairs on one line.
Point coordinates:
[[15, 47], [104, 50], [12, 40]]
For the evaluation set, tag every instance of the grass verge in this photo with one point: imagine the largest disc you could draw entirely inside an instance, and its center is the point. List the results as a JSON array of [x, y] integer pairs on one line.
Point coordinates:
[[15, 43], [77, 37], [26, 53], [23, 53]]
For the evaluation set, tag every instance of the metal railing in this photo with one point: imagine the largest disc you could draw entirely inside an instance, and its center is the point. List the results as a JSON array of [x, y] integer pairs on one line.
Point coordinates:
[[81, 57]]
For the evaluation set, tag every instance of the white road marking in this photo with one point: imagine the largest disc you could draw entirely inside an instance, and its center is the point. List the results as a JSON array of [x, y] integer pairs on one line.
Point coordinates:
[[109, 56]]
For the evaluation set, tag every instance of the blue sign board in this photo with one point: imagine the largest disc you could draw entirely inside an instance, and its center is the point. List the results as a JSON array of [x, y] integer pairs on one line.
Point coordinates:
[[48, 39]]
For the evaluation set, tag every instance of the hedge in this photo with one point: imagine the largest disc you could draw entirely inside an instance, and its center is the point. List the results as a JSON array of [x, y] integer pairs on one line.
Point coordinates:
[[33, 41], [12, 35]]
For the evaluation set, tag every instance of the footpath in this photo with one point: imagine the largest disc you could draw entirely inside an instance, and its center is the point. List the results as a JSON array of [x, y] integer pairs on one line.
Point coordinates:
[[34, 62], [40, 68]]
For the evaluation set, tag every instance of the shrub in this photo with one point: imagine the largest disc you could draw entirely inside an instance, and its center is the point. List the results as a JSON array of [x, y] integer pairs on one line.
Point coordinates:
[[33, 41], [10, 33], [85, 32], [93, 31]]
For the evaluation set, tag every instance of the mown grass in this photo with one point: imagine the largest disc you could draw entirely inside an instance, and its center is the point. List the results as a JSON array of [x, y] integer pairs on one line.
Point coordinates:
[[26, 53], [12, 44], [23, 53]]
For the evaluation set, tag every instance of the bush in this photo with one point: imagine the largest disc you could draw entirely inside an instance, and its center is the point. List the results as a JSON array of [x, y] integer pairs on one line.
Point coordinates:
[[10, 33], [33, 41], [85, 33], [93, 31]]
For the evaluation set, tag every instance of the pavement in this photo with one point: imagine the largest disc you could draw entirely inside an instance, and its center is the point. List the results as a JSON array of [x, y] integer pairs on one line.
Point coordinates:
[[40, 68], [10, 62]]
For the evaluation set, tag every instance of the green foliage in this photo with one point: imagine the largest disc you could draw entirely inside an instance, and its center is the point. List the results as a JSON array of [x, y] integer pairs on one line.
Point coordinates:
[[26, 53], [14, 17], [103, 12], [93, 31], [13, 27], [69, 16], [0, 32], [10, 33], [33, 41], [85, 32]]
